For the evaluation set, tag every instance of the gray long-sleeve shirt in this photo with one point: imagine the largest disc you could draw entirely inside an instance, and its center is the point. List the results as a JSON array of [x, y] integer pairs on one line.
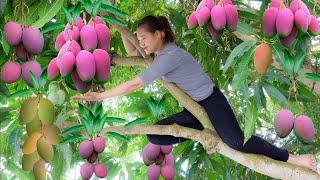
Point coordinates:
[[178, 66]]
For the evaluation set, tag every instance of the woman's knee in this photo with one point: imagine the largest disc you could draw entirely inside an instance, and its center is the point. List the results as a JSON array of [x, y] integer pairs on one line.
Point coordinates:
[[235, 144]]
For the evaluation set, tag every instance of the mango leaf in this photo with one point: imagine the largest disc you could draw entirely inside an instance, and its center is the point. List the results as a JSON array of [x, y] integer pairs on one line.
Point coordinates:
[[274, 93], [114, 120], [100, 124], [250, 121], [135, 122], [73, 129], [259, 96], [16, 170], [55, 7], [118, 136], [88, 5], [4, 89], [152, 106], [43, 78], [236, 52], [312, 76], [67, 14], [113, 10], [298, 62], [288, 64], [89, 123], [35, 82], [73, 138], [5, 45], [20, 93], [51, 27], [84, 112], [113, 20], [247, 13], [243, 70], [245, 28], [96, 7], [69, 82], [76, 11], [277, 52], [305, 92]]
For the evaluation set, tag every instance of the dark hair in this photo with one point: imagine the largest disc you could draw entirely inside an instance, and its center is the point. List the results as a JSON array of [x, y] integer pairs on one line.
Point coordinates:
[[161, 23]]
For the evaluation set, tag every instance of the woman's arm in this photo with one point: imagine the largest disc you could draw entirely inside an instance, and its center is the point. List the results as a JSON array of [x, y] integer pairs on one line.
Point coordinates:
[[122, 89], [130, 48]]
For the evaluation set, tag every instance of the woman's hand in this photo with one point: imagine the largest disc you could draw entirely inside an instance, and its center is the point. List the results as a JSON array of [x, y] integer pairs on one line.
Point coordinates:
[[91, 96]]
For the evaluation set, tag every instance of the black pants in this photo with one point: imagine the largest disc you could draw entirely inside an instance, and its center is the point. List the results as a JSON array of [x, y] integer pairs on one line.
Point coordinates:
[[226, 126]]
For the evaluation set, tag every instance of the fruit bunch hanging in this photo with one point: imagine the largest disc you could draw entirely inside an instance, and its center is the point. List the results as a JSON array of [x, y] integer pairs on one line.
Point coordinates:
[[38, 114], [159, 160], [26, 41], [216, 16], [287, 21], [83, 53]]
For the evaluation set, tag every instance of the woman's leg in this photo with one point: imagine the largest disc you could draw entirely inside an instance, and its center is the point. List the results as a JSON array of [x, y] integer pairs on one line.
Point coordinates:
[[227, 127], [183, 118]]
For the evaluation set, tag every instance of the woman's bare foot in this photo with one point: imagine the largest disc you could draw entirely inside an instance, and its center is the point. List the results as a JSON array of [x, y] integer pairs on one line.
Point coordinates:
[[306, 160]]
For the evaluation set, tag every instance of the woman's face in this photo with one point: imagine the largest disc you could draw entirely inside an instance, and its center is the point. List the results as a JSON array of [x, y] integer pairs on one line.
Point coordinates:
[[150, 42]]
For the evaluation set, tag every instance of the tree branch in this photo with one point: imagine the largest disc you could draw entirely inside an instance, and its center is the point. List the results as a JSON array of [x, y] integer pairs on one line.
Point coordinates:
[[212, 143]]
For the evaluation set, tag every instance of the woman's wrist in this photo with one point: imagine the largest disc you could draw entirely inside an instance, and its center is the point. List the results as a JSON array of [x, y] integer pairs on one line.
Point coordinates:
[[103, 95]]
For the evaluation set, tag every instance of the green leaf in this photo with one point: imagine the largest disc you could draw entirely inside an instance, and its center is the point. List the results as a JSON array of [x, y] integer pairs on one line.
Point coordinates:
[[113, 10], [99, 125], [243, 70], [72, 129], [113, 20], [99, 111], [88, 6], [274, 93], [96, 8], [250, 121], [259, 96], [67, 14], [277, 51], [73, 138], [69, 82], [288, 64], [312, 76], [43, 78], [118, 136], [298, 62], [245, 28], [152, 106], [51, 27], [84, 111], [55, 7], [4, 89], [135, 122], [114, 120], [76, 11], [20, 93], [236, 52], [35, 82], [16, 170], [5, 45]]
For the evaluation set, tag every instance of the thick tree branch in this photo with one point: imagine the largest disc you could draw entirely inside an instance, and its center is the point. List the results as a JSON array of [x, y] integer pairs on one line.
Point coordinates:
[[212, 143]]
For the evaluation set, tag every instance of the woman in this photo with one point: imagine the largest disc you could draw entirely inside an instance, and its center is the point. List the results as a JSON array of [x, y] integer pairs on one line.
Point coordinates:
[[178, 66]]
